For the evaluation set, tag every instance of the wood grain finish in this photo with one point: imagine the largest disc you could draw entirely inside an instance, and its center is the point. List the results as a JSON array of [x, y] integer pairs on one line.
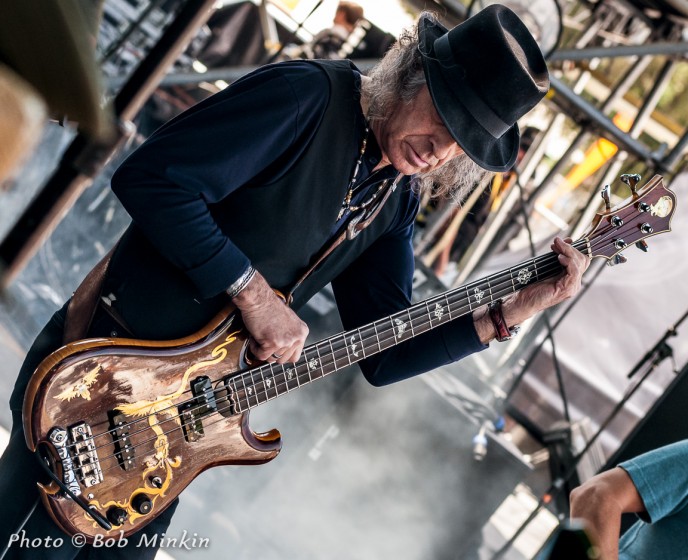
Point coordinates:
[[148, 380]]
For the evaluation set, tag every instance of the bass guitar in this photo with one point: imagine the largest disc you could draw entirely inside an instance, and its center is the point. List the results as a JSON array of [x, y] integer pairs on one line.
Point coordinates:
[[123, 426]]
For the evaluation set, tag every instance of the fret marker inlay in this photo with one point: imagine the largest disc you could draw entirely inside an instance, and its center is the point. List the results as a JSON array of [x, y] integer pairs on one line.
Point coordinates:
[[439, 311], [353, 344], [524, 276], [478, 294]]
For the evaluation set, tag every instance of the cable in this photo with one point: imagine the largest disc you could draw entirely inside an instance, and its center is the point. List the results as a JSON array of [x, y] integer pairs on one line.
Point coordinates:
[[548, 325]]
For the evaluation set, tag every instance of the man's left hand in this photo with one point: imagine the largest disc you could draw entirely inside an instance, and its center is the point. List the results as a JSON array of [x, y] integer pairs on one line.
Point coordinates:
[[545, 294]]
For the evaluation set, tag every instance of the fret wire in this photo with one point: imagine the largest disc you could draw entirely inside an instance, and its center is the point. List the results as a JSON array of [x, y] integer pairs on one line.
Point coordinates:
[[423, 327], [367, 341], [321, 366], [455, 303], [410, 321], [334, 354], [330, 366], [427, 310], [236, 394], [333, 350], [273, 383], [284, 377], [305, 374], [384, 341], [308, 367], [377, 336], [350, 346], [264, 386], [246, 391]]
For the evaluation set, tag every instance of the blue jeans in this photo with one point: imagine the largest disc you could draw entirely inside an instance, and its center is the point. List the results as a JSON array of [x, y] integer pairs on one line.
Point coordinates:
[[19, 472]]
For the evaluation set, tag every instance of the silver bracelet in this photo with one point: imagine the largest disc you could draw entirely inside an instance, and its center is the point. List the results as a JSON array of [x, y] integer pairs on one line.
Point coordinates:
[[243, 280]]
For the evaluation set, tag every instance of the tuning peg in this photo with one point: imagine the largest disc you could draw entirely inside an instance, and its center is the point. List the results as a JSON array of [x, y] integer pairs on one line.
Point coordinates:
[[617, 259], [605, 195], [642, 245], [632, 181]]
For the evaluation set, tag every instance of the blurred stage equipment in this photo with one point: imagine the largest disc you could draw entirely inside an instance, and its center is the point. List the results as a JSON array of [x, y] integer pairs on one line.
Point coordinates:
[[84, 158], [47, 63], [654, 431], [543, 18]]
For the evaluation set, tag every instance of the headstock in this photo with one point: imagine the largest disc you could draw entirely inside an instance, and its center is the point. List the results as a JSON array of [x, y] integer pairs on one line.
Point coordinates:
[[648, 212]]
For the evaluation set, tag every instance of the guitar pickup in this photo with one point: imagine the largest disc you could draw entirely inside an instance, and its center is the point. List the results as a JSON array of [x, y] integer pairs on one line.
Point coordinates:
[[124, 450], [202, 404]]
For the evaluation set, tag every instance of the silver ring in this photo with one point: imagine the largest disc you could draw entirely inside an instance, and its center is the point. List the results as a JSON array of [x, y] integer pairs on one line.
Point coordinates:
[[277, 356]]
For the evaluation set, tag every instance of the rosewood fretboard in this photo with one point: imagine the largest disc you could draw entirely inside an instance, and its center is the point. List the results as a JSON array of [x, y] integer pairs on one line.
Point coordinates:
[[261, 384]]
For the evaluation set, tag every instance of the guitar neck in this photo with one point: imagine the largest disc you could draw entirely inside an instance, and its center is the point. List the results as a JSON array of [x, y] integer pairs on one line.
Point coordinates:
[[264, 383]]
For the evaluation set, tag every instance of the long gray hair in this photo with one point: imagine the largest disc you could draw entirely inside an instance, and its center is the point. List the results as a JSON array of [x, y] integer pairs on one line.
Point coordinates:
[[397, 79]]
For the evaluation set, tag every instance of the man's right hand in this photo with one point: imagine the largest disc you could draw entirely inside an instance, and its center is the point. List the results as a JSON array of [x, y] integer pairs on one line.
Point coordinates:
[[277, 333]]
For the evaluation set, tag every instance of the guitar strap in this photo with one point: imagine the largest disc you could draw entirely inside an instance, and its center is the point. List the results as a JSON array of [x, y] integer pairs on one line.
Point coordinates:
[[355, 225], [82, 307]]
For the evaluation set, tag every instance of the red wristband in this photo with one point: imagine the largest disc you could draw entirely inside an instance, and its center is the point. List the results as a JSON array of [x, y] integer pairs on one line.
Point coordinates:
[[502, 331]]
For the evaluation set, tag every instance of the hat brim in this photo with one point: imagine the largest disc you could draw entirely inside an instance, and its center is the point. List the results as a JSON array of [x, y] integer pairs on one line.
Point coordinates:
[[493, 154]]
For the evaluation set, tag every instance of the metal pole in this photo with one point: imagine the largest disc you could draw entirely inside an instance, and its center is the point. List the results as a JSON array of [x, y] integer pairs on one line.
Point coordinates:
[[567, 99], [617, 162], [670, 160], [83, 159], [228, 73], [653, 97], [654, 49]]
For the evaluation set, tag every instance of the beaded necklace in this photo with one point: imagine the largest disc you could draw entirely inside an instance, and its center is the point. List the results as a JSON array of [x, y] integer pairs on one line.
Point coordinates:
[[346, 204]]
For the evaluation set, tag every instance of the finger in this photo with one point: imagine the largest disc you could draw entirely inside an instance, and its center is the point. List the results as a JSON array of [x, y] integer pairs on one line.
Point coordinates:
[[281, 356], [558, 245], [566, 249], [565, 260], [262, 352], [294, 353]]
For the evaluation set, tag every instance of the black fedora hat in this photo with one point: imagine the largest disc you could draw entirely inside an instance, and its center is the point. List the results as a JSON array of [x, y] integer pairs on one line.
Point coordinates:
[[483, 75]]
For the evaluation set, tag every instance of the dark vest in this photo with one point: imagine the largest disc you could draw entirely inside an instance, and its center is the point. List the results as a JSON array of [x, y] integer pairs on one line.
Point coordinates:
[[280, 220]]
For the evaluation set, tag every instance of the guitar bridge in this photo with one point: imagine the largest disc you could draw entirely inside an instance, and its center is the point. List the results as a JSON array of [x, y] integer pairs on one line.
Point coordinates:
[[85, 455], [78, 457]]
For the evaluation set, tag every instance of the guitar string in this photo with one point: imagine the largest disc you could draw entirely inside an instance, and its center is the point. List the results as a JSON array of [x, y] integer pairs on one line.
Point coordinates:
[[582, 241], [228, 399], [545, 274], [258, 371], [458, 291]]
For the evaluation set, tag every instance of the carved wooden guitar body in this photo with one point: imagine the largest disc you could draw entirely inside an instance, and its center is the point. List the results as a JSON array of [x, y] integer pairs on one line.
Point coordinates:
[[126, 424]]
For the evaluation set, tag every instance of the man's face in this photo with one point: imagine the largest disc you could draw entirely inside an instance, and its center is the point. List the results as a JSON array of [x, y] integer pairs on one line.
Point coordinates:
[[414, 139]]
